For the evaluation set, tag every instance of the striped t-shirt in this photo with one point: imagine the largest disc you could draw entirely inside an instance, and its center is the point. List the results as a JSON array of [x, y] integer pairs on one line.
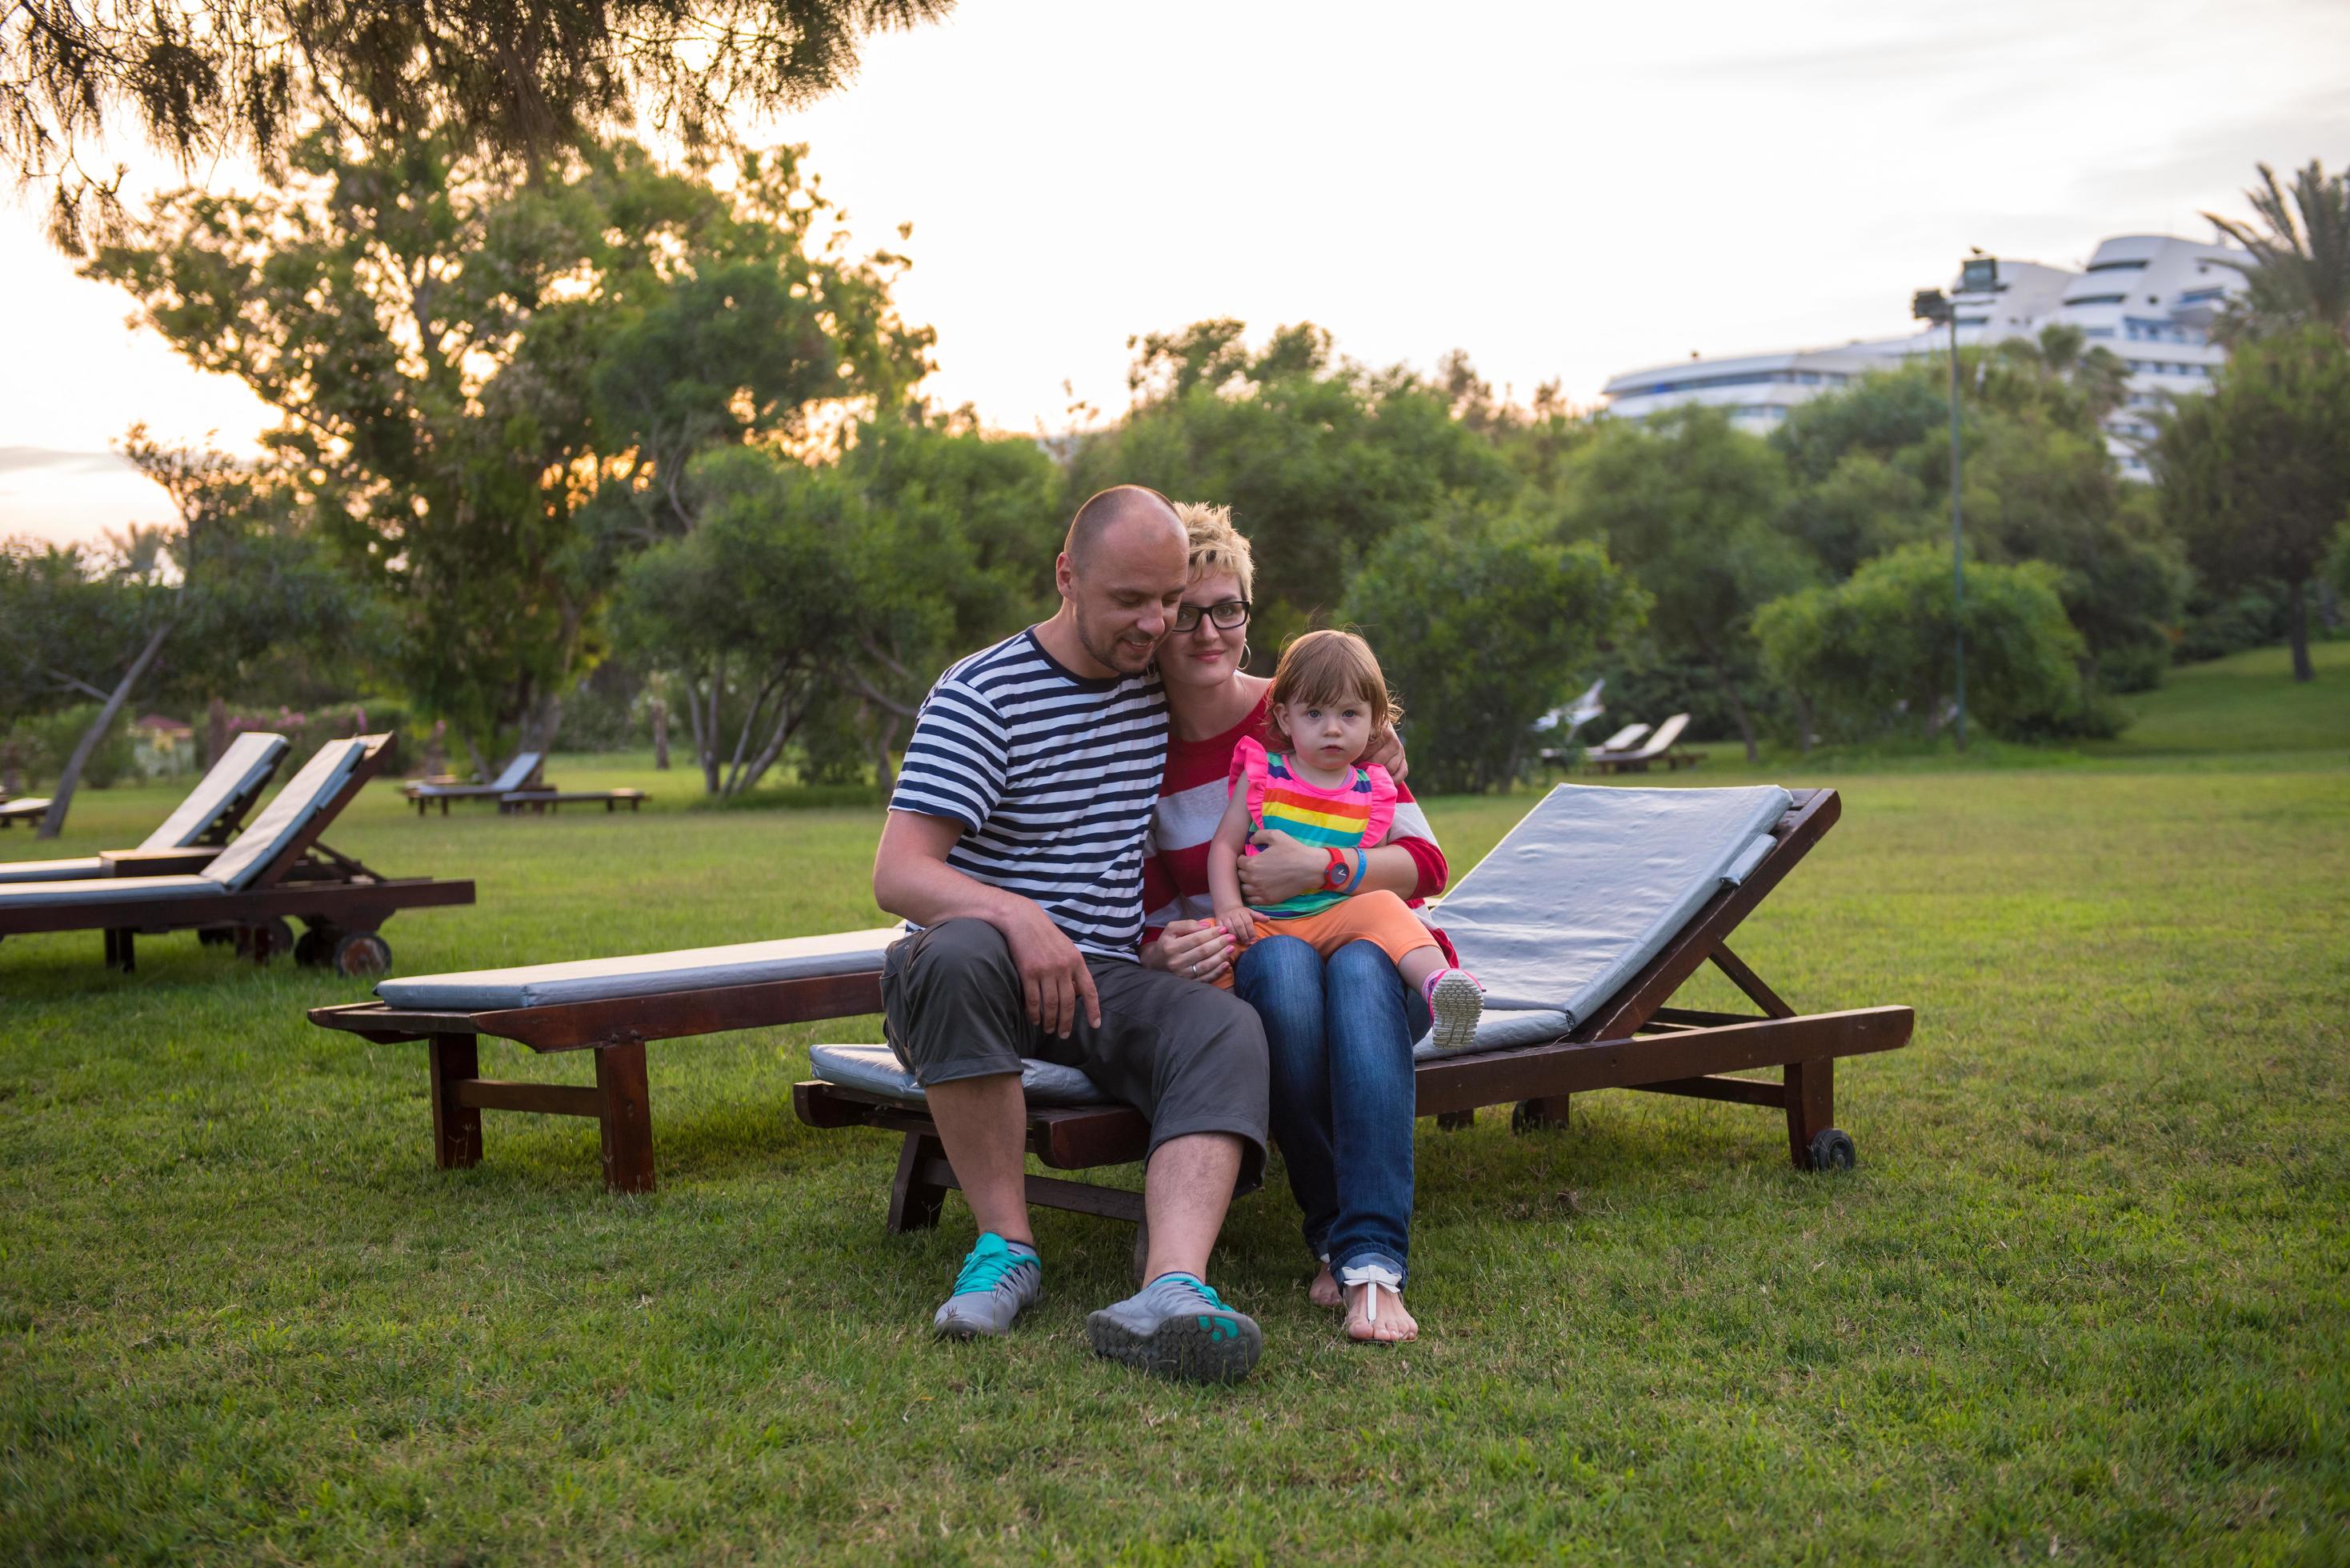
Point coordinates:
[[1052, 776]]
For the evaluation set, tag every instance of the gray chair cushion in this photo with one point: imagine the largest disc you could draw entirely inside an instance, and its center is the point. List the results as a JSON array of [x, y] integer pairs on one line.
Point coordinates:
[[304, 796], [245, 763], [645, 974], [108, 890], [50, 870], [874, 1069], [517, 771], [1588, 888]]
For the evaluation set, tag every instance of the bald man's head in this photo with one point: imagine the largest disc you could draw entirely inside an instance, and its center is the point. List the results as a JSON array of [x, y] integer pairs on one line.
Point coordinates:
[[1115, 507], [1121, 574]]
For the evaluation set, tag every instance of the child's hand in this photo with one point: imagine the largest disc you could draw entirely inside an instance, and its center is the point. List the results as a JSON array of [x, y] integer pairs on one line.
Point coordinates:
[[1240, 922]]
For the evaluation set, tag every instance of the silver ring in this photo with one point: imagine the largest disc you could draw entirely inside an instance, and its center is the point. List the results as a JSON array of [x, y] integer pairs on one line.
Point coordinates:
[[1195, 969]]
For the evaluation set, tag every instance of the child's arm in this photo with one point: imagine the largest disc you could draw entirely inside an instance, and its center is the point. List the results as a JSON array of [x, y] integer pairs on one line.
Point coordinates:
[[1223, 867]]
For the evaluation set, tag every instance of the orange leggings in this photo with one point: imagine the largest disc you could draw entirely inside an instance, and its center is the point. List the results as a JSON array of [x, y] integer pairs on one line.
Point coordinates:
[[1377, 916]]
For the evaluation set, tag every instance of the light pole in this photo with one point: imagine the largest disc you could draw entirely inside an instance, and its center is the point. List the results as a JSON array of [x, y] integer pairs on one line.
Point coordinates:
[[1978, 273]]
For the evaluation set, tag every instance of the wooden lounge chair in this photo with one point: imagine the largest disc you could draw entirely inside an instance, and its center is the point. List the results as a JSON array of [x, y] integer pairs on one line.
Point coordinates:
[[1659, 747], [522, 772], [274, 874], [1622, 741], [1614, 1031], [209, 817], [541, 801], [23, 808]]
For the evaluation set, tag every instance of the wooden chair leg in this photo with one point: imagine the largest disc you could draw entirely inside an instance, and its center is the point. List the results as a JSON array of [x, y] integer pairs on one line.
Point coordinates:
[[456, 1129], [626, 1117], [1811, 1106], [1456, 1121], [915, 1198], [1540, 1114]]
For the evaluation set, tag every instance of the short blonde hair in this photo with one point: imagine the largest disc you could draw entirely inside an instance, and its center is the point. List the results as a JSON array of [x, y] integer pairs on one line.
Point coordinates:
[[1325, 667], [1216, 544]]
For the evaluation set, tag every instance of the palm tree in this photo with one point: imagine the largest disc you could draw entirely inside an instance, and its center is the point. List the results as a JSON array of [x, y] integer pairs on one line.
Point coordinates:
[[2299, 264]]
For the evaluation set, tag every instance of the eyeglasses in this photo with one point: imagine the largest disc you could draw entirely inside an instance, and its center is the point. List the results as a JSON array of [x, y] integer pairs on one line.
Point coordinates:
[[1227, 615]]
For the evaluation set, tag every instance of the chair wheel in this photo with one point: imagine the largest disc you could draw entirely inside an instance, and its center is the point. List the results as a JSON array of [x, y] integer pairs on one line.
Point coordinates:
[[1832, 1149], [271, 938], [362, 953], [215, 936], [314, 948]]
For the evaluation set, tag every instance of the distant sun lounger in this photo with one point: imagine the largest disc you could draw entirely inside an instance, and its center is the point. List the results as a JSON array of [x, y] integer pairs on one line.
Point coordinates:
[[185, 842], [521, 774], [252, 892], [1658, 749]]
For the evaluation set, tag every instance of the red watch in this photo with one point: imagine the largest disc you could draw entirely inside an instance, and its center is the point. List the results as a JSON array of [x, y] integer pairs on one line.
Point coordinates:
[[1337, 875]]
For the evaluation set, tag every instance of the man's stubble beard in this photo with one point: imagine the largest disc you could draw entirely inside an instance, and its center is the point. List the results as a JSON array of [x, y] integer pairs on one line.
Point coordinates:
[[1107, 651]]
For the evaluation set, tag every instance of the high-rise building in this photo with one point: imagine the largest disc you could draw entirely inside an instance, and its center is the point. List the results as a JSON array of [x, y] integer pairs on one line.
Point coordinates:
[[2150, 299]]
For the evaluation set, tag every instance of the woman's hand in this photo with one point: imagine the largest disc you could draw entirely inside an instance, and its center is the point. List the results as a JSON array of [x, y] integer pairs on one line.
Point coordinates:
[[1196, 950], [1281, 869]]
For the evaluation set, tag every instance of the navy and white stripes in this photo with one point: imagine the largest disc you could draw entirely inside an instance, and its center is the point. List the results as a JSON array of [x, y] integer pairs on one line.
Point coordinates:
[[1054, 777]]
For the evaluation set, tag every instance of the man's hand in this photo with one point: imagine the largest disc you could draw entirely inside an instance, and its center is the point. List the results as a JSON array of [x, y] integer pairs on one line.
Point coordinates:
[[1281, 869], [1386, 751], [1053, 972]]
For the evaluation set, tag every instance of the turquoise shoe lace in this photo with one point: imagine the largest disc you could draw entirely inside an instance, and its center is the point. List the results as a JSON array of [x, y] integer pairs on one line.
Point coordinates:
[[984, 1268]]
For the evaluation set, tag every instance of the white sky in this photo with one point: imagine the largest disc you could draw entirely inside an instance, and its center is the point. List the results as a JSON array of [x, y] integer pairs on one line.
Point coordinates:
[[1565, 192]]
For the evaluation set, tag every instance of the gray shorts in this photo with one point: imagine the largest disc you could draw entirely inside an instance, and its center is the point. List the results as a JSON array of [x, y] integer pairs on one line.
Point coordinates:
[[1188, 1056]]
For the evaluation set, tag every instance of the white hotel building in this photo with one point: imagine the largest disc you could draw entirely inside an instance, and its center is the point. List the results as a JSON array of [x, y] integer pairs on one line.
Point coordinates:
[[2149, 298]]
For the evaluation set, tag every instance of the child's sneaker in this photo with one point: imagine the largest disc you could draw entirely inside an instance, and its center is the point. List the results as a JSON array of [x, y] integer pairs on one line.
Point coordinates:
[[1455, 1002], [999, 1281], [1176, 1327]]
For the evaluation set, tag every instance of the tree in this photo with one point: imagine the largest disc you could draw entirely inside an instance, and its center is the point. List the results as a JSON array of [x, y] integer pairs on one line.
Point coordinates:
[[2298, 269], [1319, 458], [1872, 654], [2256, 476], [493, 387], [162, 608], [747, 609], [519, 83], [1483, 626], [1686, 504]]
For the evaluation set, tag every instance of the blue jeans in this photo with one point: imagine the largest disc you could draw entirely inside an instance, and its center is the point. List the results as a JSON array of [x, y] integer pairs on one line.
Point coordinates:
[[1339, 1033]]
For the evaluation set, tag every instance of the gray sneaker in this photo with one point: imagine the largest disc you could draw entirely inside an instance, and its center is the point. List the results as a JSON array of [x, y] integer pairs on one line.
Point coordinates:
[[999, 1281], [1176, 1327]]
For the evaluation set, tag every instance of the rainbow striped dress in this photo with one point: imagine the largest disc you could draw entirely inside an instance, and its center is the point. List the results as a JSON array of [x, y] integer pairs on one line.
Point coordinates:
[[1355, 816]]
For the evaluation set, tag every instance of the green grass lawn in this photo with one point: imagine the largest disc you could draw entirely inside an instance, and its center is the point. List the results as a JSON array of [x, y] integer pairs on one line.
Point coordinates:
[[2087, 1297]]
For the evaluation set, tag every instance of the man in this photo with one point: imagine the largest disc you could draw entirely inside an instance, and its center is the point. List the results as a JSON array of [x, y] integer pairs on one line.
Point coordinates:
[[1015, 840]]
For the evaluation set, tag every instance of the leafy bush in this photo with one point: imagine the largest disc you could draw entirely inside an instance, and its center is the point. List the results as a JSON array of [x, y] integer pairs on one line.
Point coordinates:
[[48, 739], [1872, 657]]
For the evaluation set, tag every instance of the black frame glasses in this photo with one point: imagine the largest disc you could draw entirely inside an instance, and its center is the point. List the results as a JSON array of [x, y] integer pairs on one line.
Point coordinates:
[[1225, 616]]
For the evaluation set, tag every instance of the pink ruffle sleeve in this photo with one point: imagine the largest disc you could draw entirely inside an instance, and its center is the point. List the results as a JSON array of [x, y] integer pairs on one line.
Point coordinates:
[[1249, 767], [1383, 807]]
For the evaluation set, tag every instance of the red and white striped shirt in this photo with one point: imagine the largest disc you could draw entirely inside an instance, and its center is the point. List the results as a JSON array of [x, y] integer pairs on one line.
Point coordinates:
[[1193, 793]]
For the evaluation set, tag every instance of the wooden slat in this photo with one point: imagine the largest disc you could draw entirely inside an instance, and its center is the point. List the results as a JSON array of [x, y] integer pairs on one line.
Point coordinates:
[[1494, 1078], [547, 1099], [1738, 1091]]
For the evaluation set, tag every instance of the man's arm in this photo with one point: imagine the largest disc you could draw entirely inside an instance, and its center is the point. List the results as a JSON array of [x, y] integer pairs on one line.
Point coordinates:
[[912, 878]]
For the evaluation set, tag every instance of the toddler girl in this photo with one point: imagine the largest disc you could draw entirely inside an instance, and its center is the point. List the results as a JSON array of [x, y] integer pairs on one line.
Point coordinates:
[[1328, 699]]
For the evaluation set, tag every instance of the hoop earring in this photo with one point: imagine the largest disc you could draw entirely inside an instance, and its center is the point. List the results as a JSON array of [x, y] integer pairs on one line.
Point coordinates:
[[1245, 653]]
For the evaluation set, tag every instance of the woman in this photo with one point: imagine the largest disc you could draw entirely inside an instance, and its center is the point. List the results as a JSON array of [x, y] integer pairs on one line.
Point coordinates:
[[1339, 1031]]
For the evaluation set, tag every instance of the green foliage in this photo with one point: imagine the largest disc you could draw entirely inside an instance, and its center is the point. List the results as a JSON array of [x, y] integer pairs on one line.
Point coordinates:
[[1873, 655], [43, 744], [2297, 268], [1482, 628], [521, 83], [2256, 477], [492, 385], [1319, 460], [1686, 504]]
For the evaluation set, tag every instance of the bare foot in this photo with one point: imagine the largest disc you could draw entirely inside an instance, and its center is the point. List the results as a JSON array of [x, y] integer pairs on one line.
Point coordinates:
[[1376, 1315], [1324, 1290]]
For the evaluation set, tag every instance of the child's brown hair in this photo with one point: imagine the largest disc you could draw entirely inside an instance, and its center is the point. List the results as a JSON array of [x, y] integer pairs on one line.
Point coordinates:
[[1326, 667]]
